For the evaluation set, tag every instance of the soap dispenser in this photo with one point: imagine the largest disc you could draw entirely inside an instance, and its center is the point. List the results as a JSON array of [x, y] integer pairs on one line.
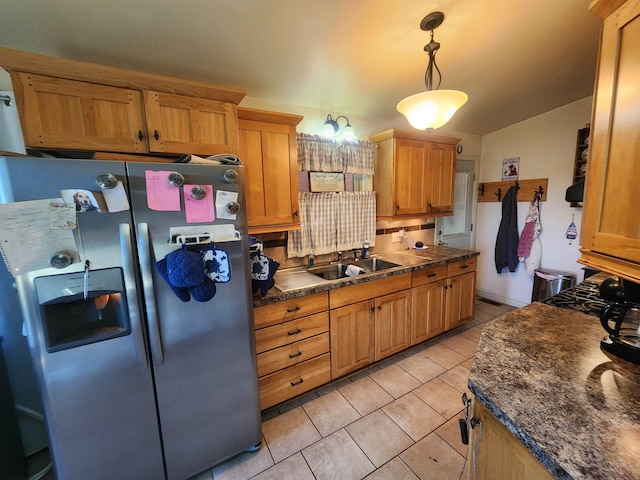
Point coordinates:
[[365, 250]]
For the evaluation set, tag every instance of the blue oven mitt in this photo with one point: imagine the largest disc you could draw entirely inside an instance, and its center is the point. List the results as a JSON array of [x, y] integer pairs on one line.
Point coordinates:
[[181, 292], [185, 268], [203, 292]]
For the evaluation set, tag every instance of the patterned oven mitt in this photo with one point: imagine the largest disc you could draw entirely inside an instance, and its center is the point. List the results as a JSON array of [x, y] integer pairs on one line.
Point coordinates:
[[217, 264]]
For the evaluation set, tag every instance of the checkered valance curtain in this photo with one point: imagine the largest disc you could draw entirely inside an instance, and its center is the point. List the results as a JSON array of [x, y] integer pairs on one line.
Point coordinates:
[[317, 154], [332, 221]]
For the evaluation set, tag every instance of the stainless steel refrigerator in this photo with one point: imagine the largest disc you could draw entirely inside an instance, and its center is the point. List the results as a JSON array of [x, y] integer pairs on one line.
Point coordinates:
[[136, 383]]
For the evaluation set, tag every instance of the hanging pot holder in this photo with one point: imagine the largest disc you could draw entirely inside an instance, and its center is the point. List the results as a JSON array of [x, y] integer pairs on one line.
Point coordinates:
[[185, 268], [216, 264]]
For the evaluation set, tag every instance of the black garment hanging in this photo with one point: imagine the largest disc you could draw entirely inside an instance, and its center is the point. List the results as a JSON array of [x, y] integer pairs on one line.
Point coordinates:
[[506, 254]]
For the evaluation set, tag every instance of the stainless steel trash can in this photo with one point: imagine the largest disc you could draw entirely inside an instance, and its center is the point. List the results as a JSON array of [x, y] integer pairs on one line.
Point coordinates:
[[546, 283]]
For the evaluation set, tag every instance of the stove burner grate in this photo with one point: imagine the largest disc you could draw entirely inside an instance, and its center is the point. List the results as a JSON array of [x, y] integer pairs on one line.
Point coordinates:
[[584, 298]]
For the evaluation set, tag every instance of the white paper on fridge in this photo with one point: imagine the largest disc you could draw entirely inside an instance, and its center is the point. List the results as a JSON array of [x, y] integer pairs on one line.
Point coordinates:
[[27, 239], [222, 199], [161, 196], [116, 198]]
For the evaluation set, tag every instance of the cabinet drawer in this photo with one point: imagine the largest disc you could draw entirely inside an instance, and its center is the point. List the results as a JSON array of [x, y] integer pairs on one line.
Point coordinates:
[[292, 381], [462, 266], [298, 352], [367, 290], [428, 275], [286, 310], [293, 331]]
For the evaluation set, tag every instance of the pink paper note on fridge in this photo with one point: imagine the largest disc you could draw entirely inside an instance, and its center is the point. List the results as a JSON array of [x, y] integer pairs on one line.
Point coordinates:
[[199, 210], [161, 195]]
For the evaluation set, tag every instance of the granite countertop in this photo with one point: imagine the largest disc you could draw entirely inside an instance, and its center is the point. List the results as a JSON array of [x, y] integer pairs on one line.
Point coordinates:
[[408, 260], [540, 371]]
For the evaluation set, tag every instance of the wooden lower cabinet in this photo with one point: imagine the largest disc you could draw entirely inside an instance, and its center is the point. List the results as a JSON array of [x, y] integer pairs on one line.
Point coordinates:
[[460, 299], [500, 455], [428, 311], [292, 343], [290, 382], [392, 323], [352, 337]]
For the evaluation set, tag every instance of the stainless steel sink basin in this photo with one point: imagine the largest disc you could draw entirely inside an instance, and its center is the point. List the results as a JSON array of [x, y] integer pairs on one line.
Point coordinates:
[[374, 264], [330, 272], [338, 270]]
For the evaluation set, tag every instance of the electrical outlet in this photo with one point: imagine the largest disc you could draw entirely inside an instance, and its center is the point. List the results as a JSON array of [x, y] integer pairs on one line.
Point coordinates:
[[395, 237]]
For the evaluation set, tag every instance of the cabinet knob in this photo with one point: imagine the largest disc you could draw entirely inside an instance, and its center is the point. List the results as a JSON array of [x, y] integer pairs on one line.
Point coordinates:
[[397, 207], [295, 214], [140, 136], [156, 135], [379, 307]]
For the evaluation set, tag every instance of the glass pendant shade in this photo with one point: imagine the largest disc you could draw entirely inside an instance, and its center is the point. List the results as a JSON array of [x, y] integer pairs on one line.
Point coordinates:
[[431, 109]]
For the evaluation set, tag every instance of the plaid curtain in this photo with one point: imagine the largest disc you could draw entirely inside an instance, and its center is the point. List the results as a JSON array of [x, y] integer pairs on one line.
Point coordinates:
[[318, 154], [333, 221]]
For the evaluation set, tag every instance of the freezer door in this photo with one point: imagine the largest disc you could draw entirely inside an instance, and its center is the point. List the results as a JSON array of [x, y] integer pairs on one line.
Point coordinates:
[[95, 380], [203, 352]]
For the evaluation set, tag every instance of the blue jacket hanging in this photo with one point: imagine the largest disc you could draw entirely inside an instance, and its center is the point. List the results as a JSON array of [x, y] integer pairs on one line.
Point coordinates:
[[506, 253]]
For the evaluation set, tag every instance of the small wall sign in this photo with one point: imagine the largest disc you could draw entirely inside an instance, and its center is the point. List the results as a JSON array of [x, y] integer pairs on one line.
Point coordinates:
[[510, 168], [326, 182]]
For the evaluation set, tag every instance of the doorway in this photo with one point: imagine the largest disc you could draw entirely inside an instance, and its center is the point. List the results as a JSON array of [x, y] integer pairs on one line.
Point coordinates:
[[457, 231]]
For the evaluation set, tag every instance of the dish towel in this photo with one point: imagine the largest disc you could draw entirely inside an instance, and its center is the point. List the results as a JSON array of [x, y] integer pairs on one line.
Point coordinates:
[[263, 268]]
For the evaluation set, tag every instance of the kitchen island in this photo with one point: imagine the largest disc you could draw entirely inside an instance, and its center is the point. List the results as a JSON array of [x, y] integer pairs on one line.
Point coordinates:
[[540, 372]]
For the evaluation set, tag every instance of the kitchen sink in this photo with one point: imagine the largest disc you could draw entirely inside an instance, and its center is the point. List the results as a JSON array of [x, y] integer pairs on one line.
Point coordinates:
[[330, 272], [374, 264], [339, 270]]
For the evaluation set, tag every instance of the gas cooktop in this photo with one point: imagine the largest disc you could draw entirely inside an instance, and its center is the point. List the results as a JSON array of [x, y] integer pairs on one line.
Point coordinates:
[[584, 298]]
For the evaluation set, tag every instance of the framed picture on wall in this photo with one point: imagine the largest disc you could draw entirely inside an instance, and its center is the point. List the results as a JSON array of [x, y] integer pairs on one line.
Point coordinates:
[[510, 168]]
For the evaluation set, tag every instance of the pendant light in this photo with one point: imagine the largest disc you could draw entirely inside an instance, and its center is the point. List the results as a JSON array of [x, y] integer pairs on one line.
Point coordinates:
[[433, 108]]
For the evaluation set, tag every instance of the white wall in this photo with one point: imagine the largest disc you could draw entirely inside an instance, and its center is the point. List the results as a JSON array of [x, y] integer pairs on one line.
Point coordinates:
[[546, 146]]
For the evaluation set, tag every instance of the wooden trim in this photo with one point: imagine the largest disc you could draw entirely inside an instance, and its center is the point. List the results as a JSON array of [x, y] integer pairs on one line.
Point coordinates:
[[269, 117], [16, 60], [414, 135], [604, 8], [488, 191]]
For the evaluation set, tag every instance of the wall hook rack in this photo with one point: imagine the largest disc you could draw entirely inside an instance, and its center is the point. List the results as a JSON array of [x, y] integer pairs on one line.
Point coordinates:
[[526, 190]]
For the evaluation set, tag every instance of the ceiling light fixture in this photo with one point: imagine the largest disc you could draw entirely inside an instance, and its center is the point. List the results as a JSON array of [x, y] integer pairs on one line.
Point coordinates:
[[332, 130], [433, 108]]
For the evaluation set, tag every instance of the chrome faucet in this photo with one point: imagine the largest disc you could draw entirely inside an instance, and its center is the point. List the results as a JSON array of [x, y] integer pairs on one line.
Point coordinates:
[[339, 257]]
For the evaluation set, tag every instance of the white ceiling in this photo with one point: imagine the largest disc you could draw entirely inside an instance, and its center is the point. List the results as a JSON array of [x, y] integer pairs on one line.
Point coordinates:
[[514, 58]]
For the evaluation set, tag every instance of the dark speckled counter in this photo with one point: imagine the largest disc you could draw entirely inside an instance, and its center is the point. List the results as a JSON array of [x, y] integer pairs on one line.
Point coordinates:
[[541, 372], [408, 261]]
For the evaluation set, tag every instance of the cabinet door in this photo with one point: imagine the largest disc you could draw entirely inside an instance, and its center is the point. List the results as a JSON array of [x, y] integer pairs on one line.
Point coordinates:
[[441, 174], [268, 152], [182, 124], [410, 177], [352, 337], [611, 226], [59, 113], [427, 311], [392, 323], [460, 299]]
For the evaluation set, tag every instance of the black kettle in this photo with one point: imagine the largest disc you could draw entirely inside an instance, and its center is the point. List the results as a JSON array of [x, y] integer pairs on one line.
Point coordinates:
[[621, 320]]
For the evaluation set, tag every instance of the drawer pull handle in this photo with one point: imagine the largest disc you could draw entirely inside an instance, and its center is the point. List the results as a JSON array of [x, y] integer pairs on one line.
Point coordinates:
[[293, 384], [294, 355], [431, 275], [295, 332], [464, 266], [294, 309]]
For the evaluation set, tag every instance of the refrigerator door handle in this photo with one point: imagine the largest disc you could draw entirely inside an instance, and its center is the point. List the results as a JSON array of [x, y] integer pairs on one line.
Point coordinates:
[[130, 286], [144, 253]]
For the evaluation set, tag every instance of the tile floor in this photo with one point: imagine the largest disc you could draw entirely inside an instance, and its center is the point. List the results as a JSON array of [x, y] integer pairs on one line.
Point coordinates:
[[395, 420]]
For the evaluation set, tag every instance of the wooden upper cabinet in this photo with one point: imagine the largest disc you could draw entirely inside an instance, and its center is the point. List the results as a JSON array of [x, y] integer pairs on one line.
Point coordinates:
[[67, 114], [181, 124], [414, 174], [267, 148], [70, 105], [610, 236], [442, 170]]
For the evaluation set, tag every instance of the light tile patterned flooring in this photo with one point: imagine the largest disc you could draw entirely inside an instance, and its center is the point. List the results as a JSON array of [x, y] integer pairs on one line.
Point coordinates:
[[396, 420]]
